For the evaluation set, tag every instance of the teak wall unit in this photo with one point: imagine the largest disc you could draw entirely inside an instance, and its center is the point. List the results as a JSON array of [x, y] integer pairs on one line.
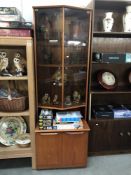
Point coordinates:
[[110, 135], [62, 52], [24, 83]]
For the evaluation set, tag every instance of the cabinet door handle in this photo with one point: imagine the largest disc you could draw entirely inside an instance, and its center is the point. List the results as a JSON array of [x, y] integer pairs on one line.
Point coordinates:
[[121, 134], [74, 133], [49, 134], [97, 124], [128, 133]]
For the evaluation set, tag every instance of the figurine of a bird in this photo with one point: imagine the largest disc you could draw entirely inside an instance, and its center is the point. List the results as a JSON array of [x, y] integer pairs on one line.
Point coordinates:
[[4, 62], [19, 64]]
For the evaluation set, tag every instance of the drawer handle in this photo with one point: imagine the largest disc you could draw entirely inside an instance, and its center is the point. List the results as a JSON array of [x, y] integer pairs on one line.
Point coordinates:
[[97, 124], [121, 134], [74, 133], [128, 133], [48, 134]]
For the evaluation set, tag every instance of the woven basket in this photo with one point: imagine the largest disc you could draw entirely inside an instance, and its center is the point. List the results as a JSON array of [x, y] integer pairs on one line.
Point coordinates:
[[14, 105]]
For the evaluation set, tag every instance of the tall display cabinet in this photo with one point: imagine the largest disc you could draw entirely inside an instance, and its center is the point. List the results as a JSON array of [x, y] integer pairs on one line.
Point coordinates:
[[108, 134], [62, 53]]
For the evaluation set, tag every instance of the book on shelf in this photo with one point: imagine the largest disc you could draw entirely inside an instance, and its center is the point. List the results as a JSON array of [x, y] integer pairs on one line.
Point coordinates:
[[68, 116], [64, 126], [18, 32], [15, 24]]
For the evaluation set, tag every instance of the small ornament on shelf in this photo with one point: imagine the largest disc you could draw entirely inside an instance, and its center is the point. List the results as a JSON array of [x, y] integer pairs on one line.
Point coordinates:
[[68, 100], [45, 99], [127, 20], [108, 22], [4, 62], [45, 28], [46, 119], [19, 63], [97, 57], [75, 29], [76, 97], [57, 77], [55, 99]]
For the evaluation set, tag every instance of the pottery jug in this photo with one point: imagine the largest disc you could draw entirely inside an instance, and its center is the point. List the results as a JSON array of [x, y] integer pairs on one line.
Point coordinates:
[[108, 22]]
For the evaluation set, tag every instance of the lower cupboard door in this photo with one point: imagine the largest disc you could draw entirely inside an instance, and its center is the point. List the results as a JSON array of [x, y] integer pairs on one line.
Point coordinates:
[[75, 149], [48, 150]]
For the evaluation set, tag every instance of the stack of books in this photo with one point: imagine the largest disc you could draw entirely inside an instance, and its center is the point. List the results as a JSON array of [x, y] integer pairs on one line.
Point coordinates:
[[13, 24], [68, 120]]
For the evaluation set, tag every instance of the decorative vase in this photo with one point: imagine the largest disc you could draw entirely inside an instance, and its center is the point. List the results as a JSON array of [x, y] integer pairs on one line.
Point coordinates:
[[75, 29], [127, 20], [108, 22]]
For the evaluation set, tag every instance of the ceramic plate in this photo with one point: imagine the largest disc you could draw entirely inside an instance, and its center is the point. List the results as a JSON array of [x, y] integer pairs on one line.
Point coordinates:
[[10, 129], [23, 139]]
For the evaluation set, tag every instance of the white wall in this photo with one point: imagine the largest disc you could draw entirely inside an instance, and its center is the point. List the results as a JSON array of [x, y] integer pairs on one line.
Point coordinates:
[[11, 3], [25, 6]]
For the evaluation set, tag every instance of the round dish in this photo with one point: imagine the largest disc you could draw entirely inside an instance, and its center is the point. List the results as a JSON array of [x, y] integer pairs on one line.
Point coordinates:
[[23, 140], [107, 79], [10, 129]]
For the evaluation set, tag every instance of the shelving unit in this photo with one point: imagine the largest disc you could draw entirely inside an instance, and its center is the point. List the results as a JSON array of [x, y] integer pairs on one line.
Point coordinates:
[[14, 152], [25, 83], [62, 47], [110, 135]]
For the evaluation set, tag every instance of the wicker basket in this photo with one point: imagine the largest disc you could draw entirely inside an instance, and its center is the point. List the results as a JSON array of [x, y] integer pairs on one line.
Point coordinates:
[[14, 105]]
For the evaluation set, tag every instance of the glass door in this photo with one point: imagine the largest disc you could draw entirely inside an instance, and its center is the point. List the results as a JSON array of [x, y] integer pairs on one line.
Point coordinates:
[[49, 56], [76, 31]]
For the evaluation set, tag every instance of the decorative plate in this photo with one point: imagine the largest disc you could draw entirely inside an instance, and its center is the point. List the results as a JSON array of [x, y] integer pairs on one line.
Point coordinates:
[[107, 79], [23, 139], [10, 129]]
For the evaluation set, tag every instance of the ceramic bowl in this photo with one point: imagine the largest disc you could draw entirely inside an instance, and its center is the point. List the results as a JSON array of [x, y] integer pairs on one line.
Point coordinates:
[[23, 140]]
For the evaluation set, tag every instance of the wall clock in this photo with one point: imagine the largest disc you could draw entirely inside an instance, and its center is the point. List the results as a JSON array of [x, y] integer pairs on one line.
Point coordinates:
[[107, 79], [129, 77]]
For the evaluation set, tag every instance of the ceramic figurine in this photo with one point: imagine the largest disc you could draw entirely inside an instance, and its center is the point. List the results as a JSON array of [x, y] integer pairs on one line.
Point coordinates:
[[45, 27], [55, 100], [19, 64], [127, 20], [45, 99], [68, 100], [76, 97], [4, 62], [108, 22], [57, 78], [75, 29]]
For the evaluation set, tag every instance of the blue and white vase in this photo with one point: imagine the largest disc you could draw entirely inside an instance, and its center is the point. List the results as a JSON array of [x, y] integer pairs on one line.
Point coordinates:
[[108, 22], [127, 20]]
